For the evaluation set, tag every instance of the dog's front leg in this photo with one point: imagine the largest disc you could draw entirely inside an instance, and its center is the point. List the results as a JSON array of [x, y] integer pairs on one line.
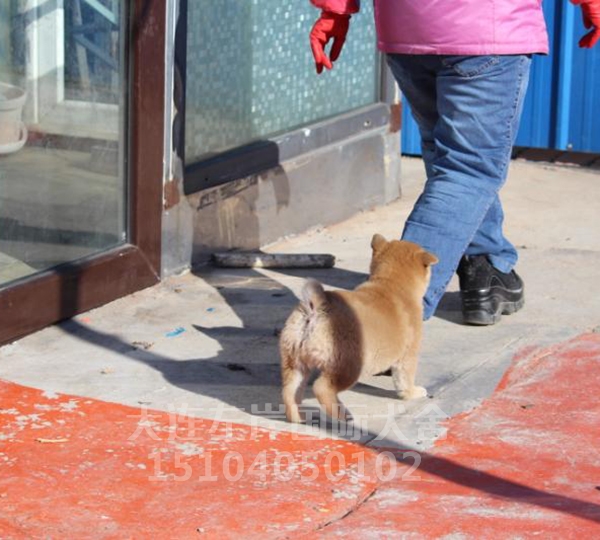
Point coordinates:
[[403, 375]]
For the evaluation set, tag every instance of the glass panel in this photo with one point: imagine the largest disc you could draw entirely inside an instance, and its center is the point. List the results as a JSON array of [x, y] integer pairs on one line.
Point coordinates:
[[62, 132], [250, 72]]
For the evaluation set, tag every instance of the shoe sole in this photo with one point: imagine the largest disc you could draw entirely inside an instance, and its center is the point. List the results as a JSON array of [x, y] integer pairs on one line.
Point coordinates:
[[487, 310]]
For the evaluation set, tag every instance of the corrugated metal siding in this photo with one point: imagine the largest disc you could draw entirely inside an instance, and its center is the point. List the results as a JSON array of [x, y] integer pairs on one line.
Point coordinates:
[[562, 108], [584, 118]]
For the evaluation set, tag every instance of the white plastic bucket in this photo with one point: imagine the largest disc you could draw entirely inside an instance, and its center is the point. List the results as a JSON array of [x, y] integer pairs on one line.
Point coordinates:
[[13, 133]]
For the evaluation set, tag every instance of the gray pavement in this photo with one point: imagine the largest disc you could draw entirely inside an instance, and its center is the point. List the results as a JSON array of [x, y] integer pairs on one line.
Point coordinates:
[[205, 343]]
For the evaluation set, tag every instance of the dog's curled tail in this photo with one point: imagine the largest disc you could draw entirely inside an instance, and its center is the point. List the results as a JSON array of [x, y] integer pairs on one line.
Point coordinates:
[[312, 296]]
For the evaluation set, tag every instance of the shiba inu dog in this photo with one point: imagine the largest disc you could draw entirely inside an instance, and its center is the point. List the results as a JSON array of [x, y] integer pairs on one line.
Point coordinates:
[[346, 334]]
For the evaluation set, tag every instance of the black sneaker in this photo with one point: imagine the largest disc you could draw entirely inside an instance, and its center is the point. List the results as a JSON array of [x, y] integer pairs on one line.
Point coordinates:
[[487, 293]]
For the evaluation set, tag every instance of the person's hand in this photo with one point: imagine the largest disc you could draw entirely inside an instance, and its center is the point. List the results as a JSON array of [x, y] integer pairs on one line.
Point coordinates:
[[590, 9], [328, 26]]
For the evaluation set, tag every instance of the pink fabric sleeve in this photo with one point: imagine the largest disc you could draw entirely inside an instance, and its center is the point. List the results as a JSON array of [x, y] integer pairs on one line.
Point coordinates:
[[343, 7]]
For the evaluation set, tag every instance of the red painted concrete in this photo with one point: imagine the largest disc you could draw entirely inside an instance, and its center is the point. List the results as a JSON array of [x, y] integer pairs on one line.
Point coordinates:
[[68, 469], [525, 463]]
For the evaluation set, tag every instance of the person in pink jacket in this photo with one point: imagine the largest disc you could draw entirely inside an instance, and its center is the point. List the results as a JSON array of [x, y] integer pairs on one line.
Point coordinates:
[[463, 66]]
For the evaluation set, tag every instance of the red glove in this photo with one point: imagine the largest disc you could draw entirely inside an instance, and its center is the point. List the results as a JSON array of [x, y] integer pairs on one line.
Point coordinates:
[[328, 26], [590, 9]]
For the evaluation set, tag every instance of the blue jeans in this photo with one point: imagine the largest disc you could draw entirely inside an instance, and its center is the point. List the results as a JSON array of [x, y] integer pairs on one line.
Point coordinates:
[[468, 110]]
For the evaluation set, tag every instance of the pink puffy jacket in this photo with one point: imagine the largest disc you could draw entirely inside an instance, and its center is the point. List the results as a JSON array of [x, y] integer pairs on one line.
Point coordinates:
[[465, 27]]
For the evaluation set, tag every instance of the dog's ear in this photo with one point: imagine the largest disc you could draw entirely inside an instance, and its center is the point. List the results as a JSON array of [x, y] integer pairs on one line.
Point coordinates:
[[429, 259], [377, 242]]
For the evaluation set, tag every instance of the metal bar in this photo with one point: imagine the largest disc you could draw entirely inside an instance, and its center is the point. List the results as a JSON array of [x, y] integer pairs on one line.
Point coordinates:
[[97, 51], [590, 97], [91, 28], [103, 10], [565, 76], [258, 259], [266, 154], [388, 90], [320, 134], [82, 61], [180, 82]]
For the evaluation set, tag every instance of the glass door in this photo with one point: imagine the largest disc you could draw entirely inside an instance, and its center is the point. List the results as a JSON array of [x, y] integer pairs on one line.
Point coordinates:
[[81, 155], [62, 133]]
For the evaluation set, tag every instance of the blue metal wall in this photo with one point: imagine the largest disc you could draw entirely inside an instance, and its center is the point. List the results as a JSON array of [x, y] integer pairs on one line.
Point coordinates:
[[562, 108]]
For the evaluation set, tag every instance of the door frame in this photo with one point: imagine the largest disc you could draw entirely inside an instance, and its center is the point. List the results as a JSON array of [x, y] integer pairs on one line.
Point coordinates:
[[45, 298]]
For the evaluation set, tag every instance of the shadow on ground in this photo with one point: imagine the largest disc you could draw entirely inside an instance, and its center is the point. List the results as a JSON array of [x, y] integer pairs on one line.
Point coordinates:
[[262, 304], [234, 376]]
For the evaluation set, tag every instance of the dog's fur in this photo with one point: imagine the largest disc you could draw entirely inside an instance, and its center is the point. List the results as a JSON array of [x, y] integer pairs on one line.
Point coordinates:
[[346, 334]]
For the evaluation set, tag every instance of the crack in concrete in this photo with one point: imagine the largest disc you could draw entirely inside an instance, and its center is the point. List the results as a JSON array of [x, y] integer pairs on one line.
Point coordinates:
[[350, 511]]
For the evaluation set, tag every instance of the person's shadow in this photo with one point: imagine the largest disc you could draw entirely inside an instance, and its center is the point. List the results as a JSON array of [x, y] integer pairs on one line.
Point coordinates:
[[246, 372]]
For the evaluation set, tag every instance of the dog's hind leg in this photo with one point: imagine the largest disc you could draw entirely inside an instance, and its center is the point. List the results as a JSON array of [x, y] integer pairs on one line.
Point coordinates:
[[294, 383], [403, 375], [326, 391]]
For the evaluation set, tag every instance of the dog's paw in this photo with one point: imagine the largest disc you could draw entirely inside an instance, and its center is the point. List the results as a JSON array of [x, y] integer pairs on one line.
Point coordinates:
[[345, 416], [293, 415], [339, 413], [415, 392]]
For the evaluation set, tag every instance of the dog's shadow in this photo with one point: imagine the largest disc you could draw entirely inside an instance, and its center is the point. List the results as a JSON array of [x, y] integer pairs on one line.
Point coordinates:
[[245, 373]]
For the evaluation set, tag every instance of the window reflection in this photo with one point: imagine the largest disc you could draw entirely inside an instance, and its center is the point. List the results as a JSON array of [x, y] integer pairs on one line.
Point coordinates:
[[250, 72], [62, 91]]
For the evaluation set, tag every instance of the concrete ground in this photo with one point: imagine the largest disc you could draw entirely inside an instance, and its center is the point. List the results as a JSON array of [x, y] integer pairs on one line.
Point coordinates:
[[506, 441]]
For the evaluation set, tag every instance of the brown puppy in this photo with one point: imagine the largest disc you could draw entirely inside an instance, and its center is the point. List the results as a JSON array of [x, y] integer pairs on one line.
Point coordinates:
[[346, 334]]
